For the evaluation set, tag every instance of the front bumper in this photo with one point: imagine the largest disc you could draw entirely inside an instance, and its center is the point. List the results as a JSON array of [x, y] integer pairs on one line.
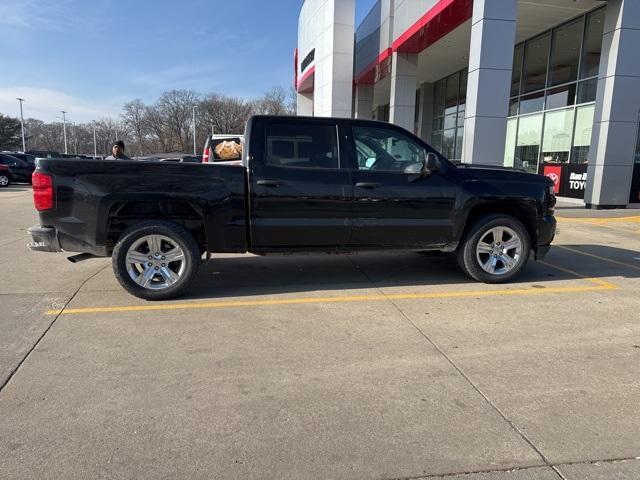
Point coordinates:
[[546, 229], [45, 239]]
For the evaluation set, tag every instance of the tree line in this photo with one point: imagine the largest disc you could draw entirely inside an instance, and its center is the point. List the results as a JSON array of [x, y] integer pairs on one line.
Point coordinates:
[[162, 127]]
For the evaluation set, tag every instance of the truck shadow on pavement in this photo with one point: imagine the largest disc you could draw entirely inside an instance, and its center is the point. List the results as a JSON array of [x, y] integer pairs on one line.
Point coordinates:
[[246, 276]]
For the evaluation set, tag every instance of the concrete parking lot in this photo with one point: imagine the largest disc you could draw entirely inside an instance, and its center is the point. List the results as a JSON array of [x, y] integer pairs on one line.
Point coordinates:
[[388, 366]]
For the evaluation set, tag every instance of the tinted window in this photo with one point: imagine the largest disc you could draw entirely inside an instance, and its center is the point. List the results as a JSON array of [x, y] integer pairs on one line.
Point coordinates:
[[517, 70], [536, 58], [592, 44], [308, 146], [11, 161], [384, 149], [565, 53]]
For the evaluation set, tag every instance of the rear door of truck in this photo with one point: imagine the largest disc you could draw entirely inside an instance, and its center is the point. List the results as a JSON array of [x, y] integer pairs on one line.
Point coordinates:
[[300, 194]]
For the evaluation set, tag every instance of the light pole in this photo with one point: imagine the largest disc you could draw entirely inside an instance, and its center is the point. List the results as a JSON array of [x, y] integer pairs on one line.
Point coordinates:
[[64, 130], [75, 137], [194, 130], [24, 143], [95, 144]]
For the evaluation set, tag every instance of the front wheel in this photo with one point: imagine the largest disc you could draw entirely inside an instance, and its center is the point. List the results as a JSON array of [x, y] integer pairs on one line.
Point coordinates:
[[4, 181], [495, 249], [156, 260]]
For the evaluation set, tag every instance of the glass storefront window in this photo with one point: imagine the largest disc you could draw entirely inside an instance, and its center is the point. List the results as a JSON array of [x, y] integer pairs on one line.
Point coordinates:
[[436, 141], [582, 135], [513, 107], [517, 70], [449, 143], [438, 103], [459, 143], [558, 128], [464, 77], [451, 100], [461, 113], [450, 121], [510, 145], [536, 58], [449, 112], [592, 44], [587, 91], [559, 97], [528, 141], [532, 103], [565, 53]]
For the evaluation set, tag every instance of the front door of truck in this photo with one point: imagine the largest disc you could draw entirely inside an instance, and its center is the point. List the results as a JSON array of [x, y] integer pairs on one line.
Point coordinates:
[[301, 198], [393, 208]]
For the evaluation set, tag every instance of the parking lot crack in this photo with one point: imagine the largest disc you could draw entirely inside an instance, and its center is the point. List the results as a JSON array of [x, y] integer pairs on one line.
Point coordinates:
[[41, 337]]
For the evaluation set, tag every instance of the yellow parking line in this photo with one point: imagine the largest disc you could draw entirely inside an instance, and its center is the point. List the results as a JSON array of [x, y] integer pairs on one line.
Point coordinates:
[[604, 259], [633, 219], [599, 285]]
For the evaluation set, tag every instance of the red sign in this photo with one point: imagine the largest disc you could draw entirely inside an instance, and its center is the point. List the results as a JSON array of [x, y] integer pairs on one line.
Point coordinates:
[[555, 174]]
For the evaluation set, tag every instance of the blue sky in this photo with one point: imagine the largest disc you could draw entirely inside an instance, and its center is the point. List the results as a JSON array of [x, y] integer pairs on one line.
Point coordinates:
[[89, 57]]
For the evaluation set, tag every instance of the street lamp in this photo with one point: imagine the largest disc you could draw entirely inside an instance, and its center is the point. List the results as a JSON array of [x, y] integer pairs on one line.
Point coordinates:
[[64, 130], [95, 144], [75, 137], [194, 130], [24, 143]]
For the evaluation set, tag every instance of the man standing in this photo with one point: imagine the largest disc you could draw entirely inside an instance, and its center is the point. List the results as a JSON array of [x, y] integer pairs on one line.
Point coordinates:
[[117, 151]]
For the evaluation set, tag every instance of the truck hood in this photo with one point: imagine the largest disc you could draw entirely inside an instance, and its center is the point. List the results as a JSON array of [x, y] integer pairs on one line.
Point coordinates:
[[500, 173]]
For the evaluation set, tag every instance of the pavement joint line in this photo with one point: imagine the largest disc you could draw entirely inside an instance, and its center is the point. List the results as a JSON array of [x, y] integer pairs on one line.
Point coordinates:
[[592, 255], [466, 378], [37, 342]]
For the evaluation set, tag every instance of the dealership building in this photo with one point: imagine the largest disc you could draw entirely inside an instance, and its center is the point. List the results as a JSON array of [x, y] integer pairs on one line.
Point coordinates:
[[548, 86]]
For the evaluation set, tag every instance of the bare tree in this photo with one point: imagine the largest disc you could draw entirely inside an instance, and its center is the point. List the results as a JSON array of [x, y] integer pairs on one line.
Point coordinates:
[[135, 118], [277, 101], [225, 114]]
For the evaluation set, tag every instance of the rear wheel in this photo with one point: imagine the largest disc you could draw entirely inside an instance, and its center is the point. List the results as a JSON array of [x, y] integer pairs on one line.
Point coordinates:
[[156, 260], [495, 249], [4, 180]]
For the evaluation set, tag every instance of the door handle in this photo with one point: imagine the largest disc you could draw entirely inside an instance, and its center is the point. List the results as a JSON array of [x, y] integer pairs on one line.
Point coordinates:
[[269, 183], [368, 185]]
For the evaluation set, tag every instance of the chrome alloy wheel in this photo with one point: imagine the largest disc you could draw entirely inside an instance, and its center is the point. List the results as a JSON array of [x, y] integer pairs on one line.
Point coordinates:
[[4, 180], [499, 250], [155, 262]]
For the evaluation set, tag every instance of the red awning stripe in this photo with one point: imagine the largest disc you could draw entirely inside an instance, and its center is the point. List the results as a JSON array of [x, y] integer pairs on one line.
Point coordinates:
[[373, 72], [306, 83], [444, 17]]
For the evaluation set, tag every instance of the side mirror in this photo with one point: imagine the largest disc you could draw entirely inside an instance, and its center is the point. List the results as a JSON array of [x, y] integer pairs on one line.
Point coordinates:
[[433, 163]]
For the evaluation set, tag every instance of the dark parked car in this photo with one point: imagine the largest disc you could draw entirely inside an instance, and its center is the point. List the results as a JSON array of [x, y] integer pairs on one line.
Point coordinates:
[[21, 170], [25, 157], [5, 176], [44, 153], [305, 185]]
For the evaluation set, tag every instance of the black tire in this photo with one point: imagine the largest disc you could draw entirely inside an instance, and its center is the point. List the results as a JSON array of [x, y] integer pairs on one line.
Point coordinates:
[[179, 236], [5, 181], [469, 259]]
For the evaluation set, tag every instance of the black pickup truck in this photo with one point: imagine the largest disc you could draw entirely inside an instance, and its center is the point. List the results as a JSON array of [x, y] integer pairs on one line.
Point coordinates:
[[304, 185]]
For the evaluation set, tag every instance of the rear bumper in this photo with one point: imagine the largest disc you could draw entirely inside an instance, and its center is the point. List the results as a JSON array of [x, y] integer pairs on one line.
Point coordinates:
[[45, 239], [546, 228]]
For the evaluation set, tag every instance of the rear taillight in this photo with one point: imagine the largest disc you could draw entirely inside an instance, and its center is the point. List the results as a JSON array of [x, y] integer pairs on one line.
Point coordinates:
[[205, 155], [43, 196]]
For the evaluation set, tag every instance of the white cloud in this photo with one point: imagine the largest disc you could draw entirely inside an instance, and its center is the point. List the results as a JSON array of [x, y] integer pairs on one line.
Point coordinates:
[[46, 104]]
